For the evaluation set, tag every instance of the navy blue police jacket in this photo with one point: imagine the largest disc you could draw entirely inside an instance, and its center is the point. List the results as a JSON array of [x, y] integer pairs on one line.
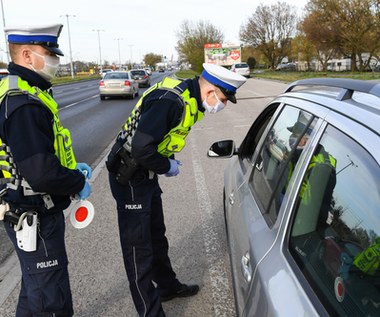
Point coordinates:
[[161, 111], [29, 133]]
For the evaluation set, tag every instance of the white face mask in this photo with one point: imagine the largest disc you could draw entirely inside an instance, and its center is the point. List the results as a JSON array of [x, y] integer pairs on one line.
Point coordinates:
[[218, 107], [51, 64]]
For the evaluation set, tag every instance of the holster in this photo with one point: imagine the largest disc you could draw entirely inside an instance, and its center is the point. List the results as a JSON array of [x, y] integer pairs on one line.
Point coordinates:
[[121, 163]]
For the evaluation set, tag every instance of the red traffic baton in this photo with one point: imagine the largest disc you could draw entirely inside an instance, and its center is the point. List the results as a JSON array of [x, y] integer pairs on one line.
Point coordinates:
[[82, 214]]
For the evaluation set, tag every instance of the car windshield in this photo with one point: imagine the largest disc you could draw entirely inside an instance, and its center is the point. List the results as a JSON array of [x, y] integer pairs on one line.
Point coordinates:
[[241, 65], [114, 75], [138, 72]]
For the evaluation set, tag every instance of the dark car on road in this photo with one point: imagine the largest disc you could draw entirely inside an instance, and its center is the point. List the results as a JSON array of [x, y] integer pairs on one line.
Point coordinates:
[[141, 76], [301, 203]]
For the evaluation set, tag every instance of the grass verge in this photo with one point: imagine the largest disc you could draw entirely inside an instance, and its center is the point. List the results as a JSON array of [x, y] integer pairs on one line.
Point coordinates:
[[289, 77]]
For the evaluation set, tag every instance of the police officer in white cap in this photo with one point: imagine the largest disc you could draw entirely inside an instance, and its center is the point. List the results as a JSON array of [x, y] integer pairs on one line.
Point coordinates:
[[39, 169], [146, 147]]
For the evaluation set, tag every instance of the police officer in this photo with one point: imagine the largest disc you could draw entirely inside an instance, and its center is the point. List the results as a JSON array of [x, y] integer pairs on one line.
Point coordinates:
[[145, 147], [40, 171]]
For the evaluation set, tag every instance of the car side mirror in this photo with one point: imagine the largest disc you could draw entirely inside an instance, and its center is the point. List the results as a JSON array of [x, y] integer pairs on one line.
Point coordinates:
[[225, 149]]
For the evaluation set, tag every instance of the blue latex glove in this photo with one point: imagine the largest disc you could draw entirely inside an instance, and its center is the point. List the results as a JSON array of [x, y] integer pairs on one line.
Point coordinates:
[[85, 169], [174, 168], [85, 192]]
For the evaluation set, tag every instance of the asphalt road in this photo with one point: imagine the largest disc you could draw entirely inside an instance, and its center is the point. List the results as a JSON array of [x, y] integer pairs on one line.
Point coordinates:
[[192, 202]]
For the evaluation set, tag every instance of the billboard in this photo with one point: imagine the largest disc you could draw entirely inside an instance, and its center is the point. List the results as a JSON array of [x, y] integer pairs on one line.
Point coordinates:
[[222, 54]]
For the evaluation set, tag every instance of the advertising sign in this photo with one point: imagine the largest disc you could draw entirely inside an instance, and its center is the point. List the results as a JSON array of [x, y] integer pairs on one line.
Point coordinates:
[[222, 54]]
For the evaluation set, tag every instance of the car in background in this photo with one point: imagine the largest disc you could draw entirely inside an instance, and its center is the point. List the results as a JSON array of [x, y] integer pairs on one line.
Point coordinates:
[[105, 71], [241, 69], [148, 70], [287, 67], [118, 84], [141, 76], [301, 203], [3, 72], [161, 70]]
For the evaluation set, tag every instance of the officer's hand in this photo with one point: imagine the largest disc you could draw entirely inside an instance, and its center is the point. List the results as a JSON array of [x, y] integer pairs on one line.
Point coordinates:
[[174, 168], [85, 169], [85, 192]]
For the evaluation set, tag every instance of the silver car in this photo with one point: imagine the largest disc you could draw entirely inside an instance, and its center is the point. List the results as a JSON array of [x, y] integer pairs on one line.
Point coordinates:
[[242, 69], [118, 84], [301, 198]]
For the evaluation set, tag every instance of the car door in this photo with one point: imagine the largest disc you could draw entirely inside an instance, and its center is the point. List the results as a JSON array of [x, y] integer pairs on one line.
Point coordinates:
[[236, 178], [258, 196]]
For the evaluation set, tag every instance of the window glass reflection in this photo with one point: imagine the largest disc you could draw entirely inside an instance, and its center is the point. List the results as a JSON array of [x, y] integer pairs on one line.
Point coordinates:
[[336, 228]]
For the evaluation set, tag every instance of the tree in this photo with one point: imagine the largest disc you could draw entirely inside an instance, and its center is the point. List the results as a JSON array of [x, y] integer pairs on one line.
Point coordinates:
[[191, 40], [251, 61], [345, 28], [270, 30], [151, 59]]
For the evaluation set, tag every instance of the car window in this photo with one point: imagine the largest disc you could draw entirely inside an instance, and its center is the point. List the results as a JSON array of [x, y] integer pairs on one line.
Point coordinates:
[[241, 65], [249, 144], [277, 159], [113, 75], [138, 72], [335, 231]]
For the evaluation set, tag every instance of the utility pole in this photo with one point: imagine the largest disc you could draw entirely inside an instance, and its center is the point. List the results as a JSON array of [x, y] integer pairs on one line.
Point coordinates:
[[71, 55], [5, 36], [100, 51], [118, 47], [130, 47]]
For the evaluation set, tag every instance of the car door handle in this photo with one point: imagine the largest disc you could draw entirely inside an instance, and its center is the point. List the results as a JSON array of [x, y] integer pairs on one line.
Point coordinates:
[[231, 198], [246, 267]]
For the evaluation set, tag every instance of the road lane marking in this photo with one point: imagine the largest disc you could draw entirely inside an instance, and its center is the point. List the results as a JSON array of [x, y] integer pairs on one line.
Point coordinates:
[[218, 275], [75, 103]]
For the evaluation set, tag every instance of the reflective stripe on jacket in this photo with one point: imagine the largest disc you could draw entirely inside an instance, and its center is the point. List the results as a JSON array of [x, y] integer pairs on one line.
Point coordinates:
[[174, 140], [14, 85]]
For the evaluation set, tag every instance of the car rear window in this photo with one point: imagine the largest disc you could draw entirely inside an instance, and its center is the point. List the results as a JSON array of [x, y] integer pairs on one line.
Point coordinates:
[[113, 75], [242, 65], [138, 72]]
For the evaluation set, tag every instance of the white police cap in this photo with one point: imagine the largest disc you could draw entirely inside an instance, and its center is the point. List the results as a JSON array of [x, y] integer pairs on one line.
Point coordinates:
[[228, 82], [46, 36]]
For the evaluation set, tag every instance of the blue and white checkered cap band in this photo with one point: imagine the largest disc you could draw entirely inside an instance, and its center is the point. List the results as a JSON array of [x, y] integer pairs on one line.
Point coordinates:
[[48, 40], [216, 81]]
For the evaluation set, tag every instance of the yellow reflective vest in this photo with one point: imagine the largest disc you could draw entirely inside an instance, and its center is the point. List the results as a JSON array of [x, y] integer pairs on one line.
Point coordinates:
[[174, 140], [14, 85], [368, 261], [320, 158]]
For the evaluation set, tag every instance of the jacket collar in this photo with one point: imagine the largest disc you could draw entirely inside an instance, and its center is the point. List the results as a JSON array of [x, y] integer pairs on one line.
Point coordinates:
[[195, 91], [30, 76]]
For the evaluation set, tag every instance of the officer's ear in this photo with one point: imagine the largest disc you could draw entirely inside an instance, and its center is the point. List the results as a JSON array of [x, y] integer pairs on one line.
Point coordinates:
[[208, 89], [26, 54]]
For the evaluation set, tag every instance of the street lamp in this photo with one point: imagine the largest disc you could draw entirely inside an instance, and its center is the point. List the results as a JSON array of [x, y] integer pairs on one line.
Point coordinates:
[[71, 55], [118, 46], [5, 36], [130, 47], [100, 51]]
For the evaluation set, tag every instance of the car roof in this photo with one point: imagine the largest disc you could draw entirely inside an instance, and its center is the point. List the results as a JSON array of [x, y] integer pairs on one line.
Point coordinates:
[[357, 99]]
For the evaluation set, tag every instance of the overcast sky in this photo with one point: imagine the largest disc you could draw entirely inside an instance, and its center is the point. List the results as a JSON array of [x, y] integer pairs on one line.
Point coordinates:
[[146, 26]]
